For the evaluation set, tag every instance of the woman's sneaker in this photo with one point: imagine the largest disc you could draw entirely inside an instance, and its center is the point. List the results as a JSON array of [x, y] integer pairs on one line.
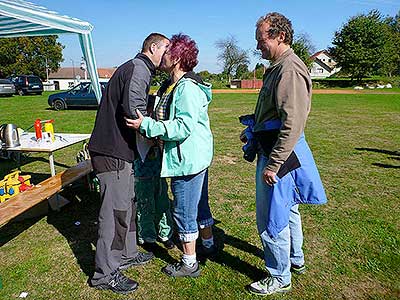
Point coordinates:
[[207, 251], [269, 286], [182, 270]]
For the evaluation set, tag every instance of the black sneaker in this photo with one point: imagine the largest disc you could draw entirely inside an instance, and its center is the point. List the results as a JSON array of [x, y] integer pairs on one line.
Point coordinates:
[[119, 284], [140, 259], [169, 244], [182, 270], [150, 247], [207, 252], [298, 270]]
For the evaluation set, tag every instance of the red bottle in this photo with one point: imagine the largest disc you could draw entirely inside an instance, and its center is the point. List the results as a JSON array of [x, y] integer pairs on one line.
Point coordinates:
[[38, 129]]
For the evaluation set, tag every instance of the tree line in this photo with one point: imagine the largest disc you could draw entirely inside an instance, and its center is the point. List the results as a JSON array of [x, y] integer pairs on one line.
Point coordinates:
[[30, 55], [367, 44]]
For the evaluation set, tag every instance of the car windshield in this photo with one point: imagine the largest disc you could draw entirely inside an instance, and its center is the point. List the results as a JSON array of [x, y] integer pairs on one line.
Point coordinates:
[[34, 80], [83, 87], [5, 81]]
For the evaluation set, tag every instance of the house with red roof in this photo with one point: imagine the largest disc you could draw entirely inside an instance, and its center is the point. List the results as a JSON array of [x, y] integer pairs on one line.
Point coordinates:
[[68, 77], [323, 65]]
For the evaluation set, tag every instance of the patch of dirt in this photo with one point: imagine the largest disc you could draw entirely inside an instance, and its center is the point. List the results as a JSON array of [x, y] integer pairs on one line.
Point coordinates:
[[226, 159], [364, 288]]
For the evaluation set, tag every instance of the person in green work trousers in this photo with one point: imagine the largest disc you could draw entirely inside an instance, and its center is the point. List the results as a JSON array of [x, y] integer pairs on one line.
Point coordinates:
[[154, 220]]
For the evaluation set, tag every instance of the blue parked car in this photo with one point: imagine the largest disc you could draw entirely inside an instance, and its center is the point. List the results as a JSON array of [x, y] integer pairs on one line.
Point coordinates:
[[81, 95]]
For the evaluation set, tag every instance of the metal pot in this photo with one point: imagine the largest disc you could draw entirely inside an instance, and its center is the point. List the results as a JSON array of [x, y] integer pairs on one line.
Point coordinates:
[[9, 135]]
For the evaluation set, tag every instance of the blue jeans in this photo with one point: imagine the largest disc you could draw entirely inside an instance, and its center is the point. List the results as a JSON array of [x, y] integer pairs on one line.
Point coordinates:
[[286, 248], [187, 193], [204, 216]]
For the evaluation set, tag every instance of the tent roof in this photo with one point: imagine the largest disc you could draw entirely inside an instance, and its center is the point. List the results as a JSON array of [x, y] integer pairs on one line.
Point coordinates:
[[19, 18], [22, 18]]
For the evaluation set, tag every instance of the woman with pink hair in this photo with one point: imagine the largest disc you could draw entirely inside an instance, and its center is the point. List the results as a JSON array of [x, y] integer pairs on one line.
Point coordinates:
[[182, 126]]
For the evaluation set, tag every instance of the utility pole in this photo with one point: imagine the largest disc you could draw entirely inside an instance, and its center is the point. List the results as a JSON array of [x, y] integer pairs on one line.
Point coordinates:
[[83, 67], [73, 68], [47, 70], [254, 78]]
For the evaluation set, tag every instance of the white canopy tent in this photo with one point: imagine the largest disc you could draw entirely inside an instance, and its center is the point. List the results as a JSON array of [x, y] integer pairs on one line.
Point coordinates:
[[22, 18]]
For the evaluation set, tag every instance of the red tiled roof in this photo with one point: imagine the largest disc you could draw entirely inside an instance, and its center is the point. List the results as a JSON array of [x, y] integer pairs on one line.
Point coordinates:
[[320, 52], [105, 72], [70, 73]]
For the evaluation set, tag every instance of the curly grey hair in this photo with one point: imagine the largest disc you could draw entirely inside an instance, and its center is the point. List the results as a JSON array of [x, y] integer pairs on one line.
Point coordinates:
[[278, 23]]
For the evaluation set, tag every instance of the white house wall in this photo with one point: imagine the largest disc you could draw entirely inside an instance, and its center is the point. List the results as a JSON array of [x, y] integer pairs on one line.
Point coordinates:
[[317, 71], [66, 84]]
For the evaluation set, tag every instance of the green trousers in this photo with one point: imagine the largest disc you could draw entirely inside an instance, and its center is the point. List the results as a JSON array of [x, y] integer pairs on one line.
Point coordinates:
[[154, 218]]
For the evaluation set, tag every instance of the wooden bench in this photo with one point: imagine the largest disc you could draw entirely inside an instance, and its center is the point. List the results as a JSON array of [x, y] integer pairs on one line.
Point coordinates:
[[42, 191]]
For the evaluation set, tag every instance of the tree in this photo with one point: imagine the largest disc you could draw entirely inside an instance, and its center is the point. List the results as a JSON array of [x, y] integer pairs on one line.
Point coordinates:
[[260, 70], [361, 46], [242, 71], [206, 76], [303, 48], [392, 64], [29, 55], [159, 78], [231, 56]]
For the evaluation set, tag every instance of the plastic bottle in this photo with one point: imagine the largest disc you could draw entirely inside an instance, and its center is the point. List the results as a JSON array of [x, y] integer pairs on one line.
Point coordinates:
[[48, 127], [38, 129]]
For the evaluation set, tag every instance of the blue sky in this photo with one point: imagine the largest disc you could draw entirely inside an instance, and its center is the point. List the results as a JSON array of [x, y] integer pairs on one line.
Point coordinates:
[[121, 25]]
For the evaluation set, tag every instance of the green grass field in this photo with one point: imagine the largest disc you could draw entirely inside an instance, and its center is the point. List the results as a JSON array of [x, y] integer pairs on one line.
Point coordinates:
[[351, 244]]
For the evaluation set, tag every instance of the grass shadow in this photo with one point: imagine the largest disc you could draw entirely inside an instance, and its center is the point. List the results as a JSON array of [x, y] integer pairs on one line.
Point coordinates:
[[77, 222], [76, 108], [12, 163], [386, 166], [160, 252], [15, 227], [231, 261], [394, 155], [84, 208]]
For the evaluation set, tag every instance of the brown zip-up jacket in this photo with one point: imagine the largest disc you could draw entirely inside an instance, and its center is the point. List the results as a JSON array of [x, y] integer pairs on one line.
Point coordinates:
[[285, 95]]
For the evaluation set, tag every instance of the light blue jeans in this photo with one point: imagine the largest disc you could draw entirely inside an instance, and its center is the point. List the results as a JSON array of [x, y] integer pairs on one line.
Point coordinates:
[[286, 248], [204, 216], [187, 193]]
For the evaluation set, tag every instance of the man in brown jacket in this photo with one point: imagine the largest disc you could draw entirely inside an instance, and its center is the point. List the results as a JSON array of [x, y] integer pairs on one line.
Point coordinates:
[[286, 173]]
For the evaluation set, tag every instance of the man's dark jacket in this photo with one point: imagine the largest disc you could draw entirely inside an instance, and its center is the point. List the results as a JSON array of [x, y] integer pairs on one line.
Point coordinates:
[[126, 91]]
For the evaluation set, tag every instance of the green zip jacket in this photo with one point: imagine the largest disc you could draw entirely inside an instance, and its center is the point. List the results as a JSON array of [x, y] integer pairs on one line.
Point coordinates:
[[188, 141]]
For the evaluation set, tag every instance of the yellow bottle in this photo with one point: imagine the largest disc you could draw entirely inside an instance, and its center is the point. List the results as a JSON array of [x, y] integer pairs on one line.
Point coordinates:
[[48, 127]]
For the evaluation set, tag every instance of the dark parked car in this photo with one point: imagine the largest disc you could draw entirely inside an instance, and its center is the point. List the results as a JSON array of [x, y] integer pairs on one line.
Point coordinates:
[[7, 88], [81, 95], [27, 84]]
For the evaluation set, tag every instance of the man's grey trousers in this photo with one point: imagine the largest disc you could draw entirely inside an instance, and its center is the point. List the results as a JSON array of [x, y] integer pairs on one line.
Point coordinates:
[[117, 222]]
